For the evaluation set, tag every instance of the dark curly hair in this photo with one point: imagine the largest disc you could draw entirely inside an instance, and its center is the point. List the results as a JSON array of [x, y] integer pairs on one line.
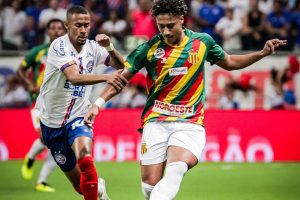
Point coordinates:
[[171, 7]]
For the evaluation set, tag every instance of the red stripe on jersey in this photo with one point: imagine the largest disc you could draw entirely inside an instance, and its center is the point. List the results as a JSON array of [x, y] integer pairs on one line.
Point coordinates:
[[175, 80], [68, 112]]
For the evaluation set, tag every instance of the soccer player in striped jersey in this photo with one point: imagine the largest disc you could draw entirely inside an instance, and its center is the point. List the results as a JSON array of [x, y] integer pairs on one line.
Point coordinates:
[[64, 99], [172, 120], [31, 71]]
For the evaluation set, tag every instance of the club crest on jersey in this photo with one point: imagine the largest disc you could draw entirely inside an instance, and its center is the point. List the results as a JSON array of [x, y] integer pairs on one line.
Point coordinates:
[[89, 66], [60, 158], [159, 53], [143, 148], [193, 57]]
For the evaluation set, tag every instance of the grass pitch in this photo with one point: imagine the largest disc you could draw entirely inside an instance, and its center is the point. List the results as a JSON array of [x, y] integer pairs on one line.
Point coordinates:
[[207, 181]]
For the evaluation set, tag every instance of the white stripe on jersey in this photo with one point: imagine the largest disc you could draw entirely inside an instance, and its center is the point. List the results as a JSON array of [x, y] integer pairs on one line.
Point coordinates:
[[59, 101]]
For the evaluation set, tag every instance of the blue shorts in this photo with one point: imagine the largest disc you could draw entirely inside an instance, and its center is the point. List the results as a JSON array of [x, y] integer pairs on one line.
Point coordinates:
[[60, 140]]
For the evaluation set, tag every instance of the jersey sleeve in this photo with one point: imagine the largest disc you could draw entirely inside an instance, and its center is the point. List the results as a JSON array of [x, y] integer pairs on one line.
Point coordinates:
[[137, 59], [59, 55], [102, 55], [29, 60], [215, 51]]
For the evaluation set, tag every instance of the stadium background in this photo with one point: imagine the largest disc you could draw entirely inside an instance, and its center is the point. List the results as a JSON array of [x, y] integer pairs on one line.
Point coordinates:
[[235, 137]]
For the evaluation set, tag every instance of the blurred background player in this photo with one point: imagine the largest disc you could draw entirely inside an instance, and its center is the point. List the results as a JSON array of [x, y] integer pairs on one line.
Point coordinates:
[[31, 71], [64, 99], [173, 132]]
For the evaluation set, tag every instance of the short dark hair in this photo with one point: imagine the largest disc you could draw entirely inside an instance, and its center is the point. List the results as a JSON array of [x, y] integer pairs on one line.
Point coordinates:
[[171, 7], [53, 21], [76, 9]]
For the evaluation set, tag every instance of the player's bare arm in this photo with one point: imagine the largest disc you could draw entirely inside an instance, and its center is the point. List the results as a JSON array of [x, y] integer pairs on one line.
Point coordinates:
[[236, 62], [116, 80], [30, 86], [116, 60], [108, 92]]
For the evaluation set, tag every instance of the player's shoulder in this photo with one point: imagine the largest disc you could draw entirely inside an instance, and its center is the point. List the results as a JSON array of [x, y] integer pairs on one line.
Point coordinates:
[[37, 49], [59, 46], [203, 37]]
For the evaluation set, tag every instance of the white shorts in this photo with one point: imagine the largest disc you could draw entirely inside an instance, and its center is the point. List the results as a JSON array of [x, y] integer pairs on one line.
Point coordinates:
[[35, 118], [158, 136]]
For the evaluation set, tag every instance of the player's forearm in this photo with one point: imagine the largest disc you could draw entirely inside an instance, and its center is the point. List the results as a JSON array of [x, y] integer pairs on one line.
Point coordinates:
[[117, 60], [236, 62], [87, 79]]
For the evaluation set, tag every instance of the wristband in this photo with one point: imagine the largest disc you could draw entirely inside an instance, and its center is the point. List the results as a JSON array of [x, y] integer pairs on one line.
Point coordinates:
[[110, 47], [99, 102]]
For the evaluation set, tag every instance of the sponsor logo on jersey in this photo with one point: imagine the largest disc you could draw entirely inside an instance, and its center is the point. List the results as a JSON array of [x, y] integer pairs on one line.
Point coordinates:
[[172, 110], [193, 57], [159, 53], [78, 90], [59, 48], [60, 158], [178, 71]]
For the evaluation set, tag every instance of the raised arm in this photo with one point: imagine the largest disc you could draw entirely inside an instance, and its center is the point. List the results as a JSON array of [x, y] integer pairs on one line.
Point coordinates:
[[117, 60], [235, 62]]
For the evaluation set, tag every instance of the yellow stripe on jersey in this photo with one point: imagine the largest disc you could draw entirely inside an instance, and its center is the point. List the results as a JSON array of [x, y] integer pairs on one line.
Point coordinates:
[[194, 98], [39, 55], [152, 115], [39, 81], [183, 81], [171, 119], [127, 65], [152, 50], [24, 63], [171, 60]]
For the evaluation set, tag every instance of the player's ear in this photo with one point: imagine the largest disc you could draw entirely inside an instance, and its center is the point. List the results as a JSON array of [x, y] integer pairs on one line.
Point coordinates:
[[181, 18], [66, 24]]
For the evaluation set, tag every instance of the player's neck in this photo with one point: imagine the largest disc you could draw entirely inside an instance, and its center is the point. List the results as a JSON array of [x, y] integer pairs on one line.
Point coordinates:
[[77, 47]]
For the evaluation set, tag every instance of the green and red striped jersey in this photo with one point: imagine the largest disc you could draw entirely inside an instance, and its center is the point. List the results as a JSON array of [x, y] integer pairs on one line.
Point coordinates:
[[36, 61], [175, 79]]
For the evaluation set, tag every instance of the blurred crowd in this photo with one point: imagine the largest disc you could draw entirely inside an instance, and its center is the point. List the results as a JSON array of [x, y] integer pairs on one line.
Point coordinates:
[[235, 24]]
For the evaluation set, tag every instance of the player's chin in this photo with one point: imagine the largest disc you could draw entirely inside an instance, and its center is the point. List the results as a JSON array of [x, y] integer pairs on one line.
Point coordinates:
[[81, 41]]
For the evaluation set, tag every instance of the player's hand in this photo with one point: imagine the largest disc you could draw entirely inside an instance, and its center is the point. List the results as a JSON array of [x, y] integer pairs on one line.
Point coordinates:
[[271, 45], [117, 80], [90, 116], [103, 40]]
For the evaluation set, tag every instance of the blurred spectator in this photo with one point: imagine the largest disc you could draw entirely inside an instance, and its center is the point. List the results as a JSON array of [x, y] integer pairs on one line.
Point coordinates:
[[282, 94], [296, 24], [134, 94], [275, 94], [141, 20], [13, 23], [115, 28], [15, 94], [243, 83], [278, 23], [54, 11], [209, 14], [240, 8], [195, 7], [30, 34], [99, 13], [265, 6], [253, 33], [226, 101], [34, 9], [229, 27], [119, 6]]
